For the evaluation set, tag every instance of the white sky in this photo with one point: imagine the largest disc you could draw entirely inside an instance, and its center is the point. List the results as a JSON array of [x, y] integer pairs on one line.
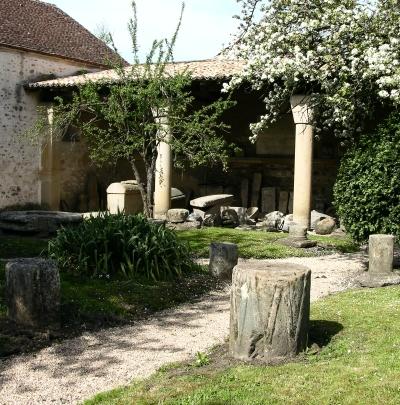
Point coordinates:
[[207, 24]]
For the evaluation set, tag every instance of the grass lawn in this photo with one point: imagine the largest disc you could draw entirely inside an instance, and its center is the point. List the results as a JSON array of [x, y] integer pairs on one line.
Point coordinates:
[[260, 245], [359, 363], [89, 304]]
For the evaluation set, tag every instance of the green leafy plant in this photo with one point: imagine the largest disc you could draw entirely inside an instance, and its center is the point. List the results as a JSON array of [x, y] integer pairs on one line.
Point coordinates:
[[201, 359], [367, 190], [111, 246]]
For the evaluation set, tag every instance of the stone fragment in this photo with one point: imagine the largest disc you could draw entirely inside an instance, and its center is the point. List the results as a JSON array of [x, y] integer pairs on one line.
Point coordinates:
[[229, 218], [270, 307], [376, 280], [33, 292], [223, 258], [381, 254], [316, 217], [194, 217], [184, 226], [177, 215], [255, 189], [286, 223], [240, 211], [268, 199], [325, 227], [211, 220], [212, 201], [252, 213], [37, 222]]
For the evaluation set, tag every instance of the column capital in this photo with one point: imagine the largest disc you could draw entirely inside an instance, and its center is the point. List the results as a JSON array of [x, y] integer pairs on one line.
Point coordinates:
[[301, 109]]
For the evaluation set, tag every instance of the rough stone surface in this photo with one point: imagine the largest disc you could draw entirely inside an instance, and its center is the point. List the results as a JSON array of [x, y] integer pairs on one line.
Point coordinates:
[[376, 280], [33, 292], [37, 222], [184, 226], [325, 227], [223, 258], [270, 308], [229, 218], [255, 189], [211, 220], [212, 200], [177, 215], [194, 217], [316, 217], [381, 253], [286, 223], [252, 213], [240, 211], [268, 199]]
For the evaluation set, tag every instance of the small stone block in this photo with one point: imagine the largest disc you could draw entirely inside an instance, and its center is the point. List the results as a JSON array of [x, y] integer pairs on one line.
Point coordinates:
[[33, 292], [376, 280], [381, 253], [223, 258], [297, 243]]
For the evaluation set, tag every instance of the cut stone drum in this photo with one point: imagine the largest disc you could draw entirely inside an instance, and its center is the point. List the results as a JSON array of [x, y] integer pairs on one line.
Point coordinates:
[[223, 259], [270, 309], [33, 292], [381, 250]]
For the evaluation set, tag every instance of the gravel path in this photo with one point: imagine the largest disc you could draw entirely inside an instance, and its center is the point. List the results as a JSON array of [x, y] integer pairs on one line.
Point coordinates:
[[74, 370]]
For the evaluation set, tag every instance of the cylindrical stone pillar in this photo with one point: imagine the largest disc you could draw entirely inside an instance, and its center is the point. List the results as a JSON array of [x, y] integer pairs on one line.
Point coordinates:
[[162, 189], [381, 249], [270, 309], [302, 115]]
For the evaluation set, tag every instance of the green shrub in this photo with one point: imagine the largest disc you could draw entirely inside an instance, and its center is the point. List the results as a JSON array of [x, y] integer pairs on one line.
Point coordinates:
[[112, 246], [367, 189]]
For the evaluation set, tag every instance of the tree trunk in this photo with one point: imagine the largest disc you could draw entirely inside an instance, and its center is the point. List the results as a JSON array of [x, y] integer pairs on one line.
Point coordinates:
[[270, 306], [143, 190]]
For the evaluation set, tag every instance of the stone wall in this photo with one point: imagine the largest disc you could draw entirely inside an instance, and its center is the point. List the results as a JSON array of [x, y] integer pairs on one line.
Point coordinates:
[[20, 161]]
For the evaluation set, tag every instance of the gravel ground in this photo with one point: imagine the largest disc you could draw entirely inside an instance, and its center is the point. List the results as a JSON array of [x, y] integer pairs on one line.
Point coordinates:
[[74, 370]]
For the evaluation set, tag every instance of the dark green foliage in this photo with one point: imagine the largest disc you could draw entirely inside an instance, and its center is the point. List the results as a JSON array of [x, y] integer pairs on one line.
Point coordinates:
[[367, 190], [111, 246]]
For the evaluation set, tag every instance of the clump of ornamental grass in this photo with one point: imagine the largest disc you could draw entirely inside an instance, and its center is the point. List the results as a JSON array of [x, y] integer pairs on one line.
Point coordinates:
[[120, 246]]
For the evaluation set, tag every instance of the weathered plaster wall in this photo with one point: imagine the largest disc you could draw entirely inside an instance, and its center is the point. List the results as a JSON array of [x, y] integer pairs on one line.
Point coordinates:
[[19, 161]]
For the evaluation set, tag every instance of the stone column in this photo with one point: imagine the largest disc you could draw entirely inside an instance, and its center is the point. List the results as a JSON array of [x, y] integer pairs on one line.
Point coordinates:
[[50, 188], [302, 115], [162, 188], [381, 249]]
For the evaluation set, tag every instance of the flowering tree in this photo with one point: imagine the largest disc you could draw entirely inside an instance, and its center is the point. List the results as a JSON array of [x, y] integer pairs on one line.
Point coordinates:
[[343, 53]]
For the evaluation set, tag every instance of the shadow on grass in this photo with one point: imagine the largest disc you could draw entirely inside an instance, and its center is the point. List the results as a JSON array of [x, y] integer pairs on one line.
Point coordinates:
[[321, 332]]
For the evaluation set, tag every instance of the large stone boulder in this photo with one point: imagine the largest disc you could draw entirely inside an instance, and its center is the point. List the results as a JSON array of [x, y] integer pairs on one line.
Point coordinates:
[[43, 223], [316, 217], [177, 215], [229, 218], [223, 258], [325, 226], [270, 307], [33, 292]]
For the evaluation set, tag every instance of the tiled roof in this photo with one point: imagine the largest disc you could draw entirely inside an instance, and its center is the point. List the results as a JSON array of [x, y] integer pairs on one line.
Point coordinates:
[[36, 26], [205, 69]]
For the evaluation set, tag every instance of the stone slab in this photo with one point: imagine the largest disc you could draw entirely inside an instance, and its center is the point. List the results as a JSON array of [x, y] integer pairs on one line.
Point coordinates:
[[268, 199], [369, 280], [212, 200], [37, 222], [255, 189], [283, 201], [297, 243]]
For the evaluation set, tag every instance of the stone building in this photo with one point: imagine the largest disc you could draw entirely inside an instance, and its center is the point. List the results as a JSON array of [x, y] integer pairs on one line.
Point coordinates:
[[262, 174], [38, 41], [61, 176]]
